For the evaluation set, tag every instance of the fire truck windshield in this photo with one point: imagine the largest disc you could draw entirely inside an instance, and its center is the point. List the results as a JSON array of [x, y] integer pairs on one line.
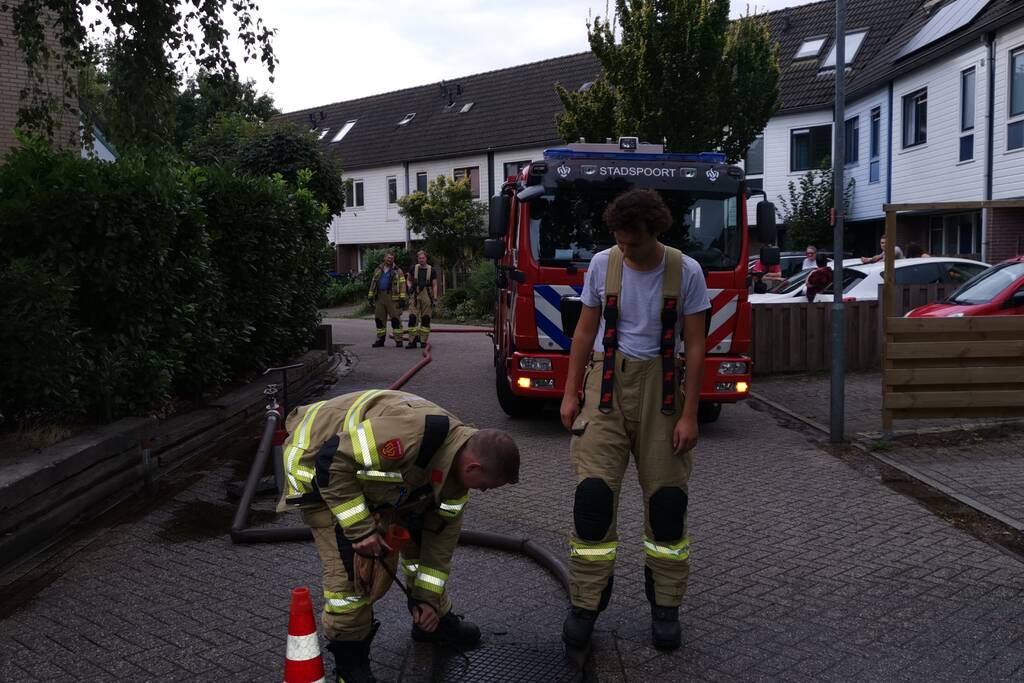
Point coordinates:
[[566, 224]]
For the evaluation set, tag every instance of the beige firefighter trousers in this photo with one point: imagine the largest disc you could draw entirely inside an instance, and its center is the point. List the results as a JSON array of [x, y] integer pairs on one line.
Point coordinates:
[[601, 446], [420, 312], [346, 614], [385, 309]]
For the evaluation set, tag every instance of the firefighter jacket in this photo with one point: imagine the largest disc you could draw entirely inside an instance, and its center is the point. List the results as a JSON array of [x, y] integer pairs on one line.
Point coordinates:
[[378, 457], [397, 284]]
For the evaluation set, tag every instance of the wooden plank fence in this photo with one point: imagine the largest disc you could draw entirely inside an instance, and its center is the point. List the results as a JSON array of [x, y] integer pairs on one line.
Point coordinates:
[[908, 297], [953, 367]]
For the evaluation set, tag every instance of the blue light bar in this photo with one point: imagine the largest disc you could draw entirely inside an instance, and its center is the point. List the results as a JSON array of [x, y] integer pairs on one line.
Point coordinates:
[[702, 157]]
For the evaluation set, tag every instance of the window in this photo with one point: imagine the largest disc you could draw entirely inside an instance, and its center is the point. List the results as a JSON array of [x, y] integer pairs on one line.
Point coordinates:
[[392, 190], [967, 114], [1015, 130], [957, 234], [421, 181], [407, 118], [852, 146], [512, 168], [915, 118], [473, 174], [853, 42], [754, 163], [354, 194], [466, 107], [809, 147], [876, 130], [810, 48], [921, 274], [323, 134], [344, 130]]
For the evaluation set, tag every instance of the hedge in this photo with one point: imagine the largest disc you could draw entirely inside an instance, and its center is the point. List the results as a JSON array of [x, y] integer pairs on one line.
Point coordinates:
[[126, 284]]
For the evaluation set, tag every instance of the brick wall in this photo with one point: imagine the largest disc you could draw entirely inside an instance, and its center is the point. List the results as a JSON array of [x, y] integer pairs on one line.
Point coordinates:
[[1005, 234]]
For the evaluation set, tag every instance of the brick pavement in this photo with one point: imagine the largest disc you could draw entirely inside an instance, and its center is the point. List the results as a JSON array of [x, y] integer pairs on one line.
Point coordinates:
[[803, 569]]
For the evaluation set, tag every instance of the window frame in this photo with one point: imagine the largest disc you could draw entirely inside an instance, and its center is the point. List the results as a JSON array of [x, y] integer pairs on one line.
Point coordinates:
[[392, 189], [1014, 119], [473, 172], [965, 152], [821, 40], [874, 145], [849, 55], [852, 141], [793, 132], [344, 130], [913, 97], [746, 157], [519, 164], [354, 187], [426, 181]]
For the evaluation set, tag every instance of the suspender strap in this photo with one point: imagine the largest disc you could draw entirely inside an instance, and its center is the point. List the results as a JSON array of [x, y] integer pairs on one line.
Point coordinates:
[[670, 282], [612, 287], [435, 431]]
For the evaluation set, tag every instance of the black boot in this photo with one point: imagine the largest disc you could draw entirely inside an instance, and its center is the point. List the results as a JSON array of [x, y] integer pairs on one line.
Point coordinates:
[[411, 345], [352, 658], [665, 630], [578, 627], [398, 343], [452, 630], [378, 343]]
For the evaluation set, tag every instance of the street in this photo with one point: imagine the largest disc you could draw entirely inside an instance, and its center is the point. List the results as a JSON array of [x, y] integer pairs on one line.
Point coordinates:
[[803, 568]]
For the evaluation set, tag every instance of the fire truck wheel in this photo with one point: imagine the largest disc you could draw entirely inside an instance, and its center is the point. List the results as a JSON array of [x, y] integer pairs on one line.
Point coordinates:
[[514, 406], [708, 412]]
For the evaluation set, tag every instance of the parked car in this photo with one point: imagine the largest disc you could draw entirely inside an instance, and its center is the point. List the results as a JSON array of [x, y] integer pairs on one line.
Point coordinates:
[[861, 280], [996, 291]]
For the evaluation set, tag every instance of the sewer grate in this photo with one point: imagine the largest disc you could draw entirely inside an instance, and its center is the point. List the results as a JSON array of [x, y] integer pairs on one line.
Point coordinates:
[[508, 663]]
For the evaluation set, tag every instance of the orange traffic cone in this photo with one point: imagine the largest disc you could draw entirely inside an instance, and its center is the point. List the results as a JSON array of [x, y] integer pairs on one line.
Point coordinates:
[[303, 663]]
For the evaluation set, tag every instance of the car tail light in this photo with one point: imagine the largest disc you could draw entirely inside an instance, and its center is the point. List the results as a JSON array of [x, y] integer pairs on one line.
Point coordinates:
[[849, 298]]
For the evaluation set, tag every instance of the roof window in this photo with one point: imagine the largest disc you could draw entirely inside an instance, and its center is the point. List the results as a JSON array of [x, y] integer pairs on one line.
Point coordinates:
[[344, 130], [407, 118], [853, 43], [466, 107], [323, 134], [810, 48]]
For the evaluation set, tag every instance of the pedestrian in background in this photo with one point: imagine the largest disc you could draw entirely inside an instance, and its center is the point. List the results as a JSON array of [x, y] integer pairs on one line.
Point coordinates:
[[881, 254], [811, 257], [387, 298], [819, 279], [423, 290]]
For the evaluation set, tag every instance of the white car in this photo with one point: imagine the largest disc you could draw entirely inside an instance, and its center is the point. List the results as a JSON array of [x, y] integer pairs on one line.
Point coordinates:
[[861, 280]]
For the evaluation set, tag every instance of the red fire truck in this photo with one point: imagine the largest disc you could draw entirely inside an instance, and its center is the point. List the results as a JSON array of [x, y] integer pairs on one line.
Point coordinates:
[[545, 226]]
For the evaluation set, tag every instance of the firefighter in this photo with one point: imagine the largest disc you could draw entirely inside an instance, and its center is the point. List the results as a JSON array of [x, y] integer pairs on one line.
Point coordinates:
[[387, 297], [631, 403], [423, 287], [359, 463]]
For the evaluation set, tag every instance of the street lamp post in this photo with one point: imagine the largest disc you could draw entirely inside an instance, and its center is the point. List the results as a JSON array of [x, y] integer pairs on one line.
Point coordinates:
[[836, 415]]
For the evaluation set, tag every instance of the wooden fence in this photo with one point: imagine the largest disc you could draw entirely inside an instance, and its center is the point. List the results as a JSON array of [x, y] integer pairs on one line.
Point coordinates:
[[908, 297], [797, 337], [953, 367]]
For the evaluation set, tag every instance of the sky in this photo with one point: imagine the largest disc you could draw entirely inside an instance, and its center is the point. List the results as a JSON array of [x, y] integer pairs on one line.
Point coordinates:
[[335, 50]]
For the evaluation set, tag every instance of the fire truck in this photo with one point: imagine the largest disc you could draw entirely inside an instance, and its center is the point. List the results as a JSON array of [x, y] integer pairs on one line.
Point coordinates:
[[546, 224]]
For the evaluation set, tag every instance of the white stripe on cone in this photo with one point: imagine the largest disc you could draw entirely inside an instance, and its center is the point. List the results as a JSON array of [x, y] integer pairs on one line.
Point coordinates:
[[302, 648]]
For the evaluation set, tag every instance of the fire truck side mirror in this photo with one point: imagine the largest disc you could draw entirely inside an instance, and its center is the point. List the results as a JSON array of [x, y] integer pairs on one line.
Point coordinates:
[[766, 231], [770, 256], [494, 249], [498, 223]]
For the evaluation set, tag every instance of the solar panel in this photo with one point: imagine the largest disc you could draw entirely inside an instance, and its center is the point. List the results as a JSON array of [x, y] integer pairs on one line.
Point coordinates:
[[947, 19]]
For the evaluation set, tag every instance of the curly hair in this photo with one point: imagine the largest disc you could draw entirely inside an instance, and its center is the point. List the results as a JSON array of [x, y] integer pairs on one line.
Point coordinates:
[[636, 210]]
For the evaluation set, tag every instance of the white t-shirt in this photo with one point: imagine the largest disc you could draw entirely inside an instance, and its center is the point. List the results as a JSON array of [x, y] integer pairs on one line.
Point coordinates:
[[640, 303]]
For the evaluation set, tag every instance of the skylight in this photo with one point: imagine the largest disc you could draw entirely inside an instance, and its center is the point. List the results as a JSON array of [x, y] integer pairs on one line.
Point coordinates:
[[323, 133], [466, 107], [809, 48], [853, 42], [407, 118], [344, 130], [947, 19]]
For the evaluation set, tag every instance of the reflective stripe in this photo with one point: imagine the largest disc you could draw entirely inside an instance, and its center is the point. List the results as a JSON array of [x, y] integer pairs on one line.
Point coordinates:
[[364, 445], [351, 512], [593, 551], [304, 474], [355, 411], [410, 567], [303, 648], [293, 455], [339, 603], [450, 509], [377, 475], [673, 551], [431, 579]]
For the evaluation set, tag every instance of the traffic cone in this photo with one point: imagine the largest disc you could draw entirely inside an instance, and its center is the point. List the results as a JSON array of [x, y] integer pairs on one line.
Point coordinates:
[[303, 663]]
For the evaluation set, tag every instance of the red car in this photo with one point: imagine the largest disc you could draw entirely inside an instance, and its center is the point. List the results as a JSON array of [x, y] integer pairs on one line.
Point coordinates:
[[996, 291]]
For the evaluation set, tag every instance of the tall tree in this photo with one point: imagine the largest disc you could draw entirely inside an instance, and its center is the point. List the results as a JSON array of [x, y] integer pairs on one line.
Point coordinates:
[[208, 96], [678, 71], [807, 211]]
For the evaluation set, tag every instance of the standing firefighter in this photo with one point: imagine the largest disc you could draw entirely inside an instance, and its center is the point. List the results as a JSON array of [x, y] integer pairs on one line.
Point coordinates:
[[362, 463], [423, 286], [631, 403], [387, 296]]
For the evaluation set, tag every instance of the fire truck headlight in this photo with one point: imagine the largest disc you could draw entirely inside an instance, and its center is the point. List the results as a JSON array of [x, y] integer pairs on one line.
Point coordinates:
[[524, 382], [732, 367], [535, 364], [742, 387]]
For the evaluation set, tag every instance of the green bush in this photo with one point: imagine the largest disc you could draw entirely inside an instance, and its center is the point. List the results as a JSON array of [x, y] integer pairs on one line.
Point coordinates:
[[452, 299], [482, 287], [339, 293]]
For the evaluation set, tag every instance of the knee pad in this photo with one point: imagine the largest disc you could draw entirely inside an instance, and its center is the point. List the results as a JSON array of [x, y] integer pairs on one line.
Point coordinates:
[[667, 508], [396, 323], [426, 321], [412, 320], [378, 323], [592, 509]]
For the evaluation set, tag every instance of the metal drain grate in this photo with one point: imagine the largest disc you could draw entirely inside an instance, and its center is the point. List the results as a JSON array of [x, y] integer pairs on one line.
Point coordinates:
[[508, 663]]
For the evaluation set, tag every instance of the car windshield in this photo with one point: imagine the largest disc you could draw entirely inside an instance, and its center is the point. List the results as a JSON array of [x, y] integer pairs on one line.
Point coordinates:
[[793, 282], [566, 224], [985, 286]]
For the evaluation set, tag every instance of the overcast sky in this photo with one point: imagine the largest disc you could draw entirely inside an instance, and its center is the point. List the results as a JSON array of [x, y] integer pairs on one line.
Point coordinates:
[[334, 50]]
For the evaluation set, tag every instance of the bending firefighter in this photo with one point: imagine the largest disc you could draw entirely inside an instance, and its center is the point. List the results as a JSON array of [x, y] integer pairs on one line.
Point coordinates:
[[631, 403], [365, 466], [387, 297], [423, 286]]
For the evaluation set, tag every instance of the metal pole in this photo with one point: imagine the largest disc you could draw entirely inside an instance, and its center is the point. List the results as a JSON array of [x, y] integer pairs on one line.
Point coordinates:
[[838, 160]]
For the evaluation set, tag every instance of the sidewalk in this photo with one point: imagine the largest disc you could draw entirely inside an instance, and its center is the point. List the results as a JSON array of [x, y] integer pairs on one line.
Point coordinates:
[[980, 462]]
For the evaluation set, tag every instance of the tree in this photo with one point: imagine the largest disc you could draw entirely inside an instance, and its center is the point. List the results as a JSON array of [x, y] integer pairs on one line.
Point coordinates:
[[807, 212], [680, 72], [207, 97], [450, 219], [145, 40]]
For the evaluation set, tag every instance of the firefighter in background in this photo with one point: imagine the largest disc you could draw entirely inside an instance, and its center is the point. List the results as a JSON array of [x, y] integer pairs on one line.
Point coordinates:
[[387, 297], [423, 288], [359, 463], [631, 403]]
